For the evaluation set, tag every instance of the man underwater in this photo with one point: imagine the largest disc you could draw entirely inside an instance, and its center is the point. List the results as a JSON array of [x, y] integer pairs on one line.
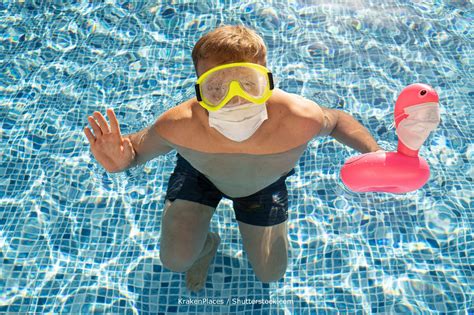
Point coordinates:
[[239, 138]]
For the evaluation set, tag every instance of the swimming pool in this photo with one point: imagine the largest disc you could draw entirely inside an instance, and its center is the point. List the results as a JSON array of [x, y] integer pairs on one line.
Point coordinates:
[[77, 240]]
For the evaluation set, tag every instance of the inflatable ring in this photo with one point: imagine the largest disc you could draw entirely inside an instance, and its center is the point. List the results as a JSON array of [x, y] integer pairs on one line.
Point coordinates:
[[416, 115]]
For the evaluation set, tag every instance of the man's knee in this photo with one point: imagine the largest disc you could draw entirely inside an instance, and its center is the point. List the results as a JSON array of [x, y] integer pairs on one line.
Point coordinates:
[[272, 272], [184, 228], [177, 250], [177, 261]]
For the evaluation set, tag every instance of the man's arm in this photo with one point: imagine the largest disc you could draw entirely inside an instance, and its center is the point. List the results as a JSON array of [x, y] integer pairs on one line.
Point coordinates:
[[345, 129], [148, 143]]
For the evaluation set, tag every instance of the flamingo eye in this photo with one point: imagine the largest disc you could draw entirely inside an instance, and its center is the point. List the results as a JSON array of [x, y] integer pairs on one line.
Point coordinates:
[[422, 92]]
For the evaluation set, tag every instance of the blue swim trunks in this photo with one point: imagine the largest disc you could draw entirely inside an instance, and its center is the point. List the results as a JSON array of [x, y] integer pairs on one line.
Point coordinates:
[[266, 207]]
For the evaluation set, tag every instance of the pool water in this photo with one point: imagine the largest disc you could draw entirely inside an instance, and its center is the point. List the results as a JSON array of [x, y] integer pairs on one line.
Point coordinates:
[[75, 239]]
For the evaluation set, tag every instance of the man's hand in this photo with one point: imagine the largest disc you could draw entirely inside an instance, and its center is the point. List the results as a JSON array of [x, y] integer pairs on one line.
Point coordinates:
[[109, 148]]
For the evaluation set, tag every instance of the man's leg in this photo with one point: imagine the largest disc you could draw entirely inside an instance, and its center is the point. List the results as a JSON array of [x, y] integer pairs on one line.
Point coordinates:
[[267, 249], [262, 219], [186, 243]]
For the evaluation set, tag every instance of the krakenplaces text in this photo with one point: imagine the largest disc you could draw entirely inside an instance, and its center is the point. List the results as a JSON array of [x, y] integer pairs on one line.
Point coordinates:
[[234, 301]]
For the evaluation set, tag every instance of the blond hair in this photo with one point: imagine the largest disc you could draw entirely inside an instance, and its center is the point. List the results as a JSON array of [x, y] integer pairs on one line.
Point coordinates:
[[231, 43]]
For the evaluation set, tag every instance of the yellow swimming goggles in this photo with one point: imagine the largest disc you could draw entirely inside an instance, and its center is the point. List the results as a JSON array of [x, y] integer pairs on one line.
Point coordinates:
[[217, 86]]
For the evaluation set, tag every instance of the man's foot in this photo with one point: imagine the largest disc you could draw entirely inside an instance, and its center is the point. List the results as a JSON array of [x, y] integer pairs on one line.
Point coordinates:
[[197, 274]]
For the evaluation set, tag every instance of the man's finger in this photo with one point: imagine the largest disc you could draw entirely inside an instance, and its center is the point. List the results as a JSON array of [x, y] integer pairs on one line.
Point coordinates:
[[128, 146], [102, 122], [95, 127], [89, 135], [114, 125]]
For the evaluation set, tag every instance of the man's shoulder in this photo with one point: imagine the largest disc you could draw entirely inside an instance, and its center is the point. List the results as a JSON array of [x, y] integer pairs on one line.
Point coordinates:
[[299, 106], [301, 112], [176, 120], [178, 113]]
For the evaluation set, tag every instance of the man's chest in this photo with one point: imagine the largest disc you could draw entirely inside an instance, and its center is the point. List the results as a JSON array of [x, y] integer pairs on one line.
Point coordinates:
[[277, 134]]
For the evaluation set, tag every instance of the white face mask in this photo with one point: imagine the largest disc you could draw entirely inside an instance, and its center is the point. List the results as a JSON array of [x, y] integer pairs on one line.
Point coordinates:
[[238, 123], [421, 120]]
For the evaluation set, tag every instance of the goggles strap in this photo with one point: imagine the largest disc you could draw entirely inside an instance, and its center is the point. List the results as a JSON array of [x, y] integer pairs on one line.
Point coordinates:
[[198, 92], [270, 80]]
